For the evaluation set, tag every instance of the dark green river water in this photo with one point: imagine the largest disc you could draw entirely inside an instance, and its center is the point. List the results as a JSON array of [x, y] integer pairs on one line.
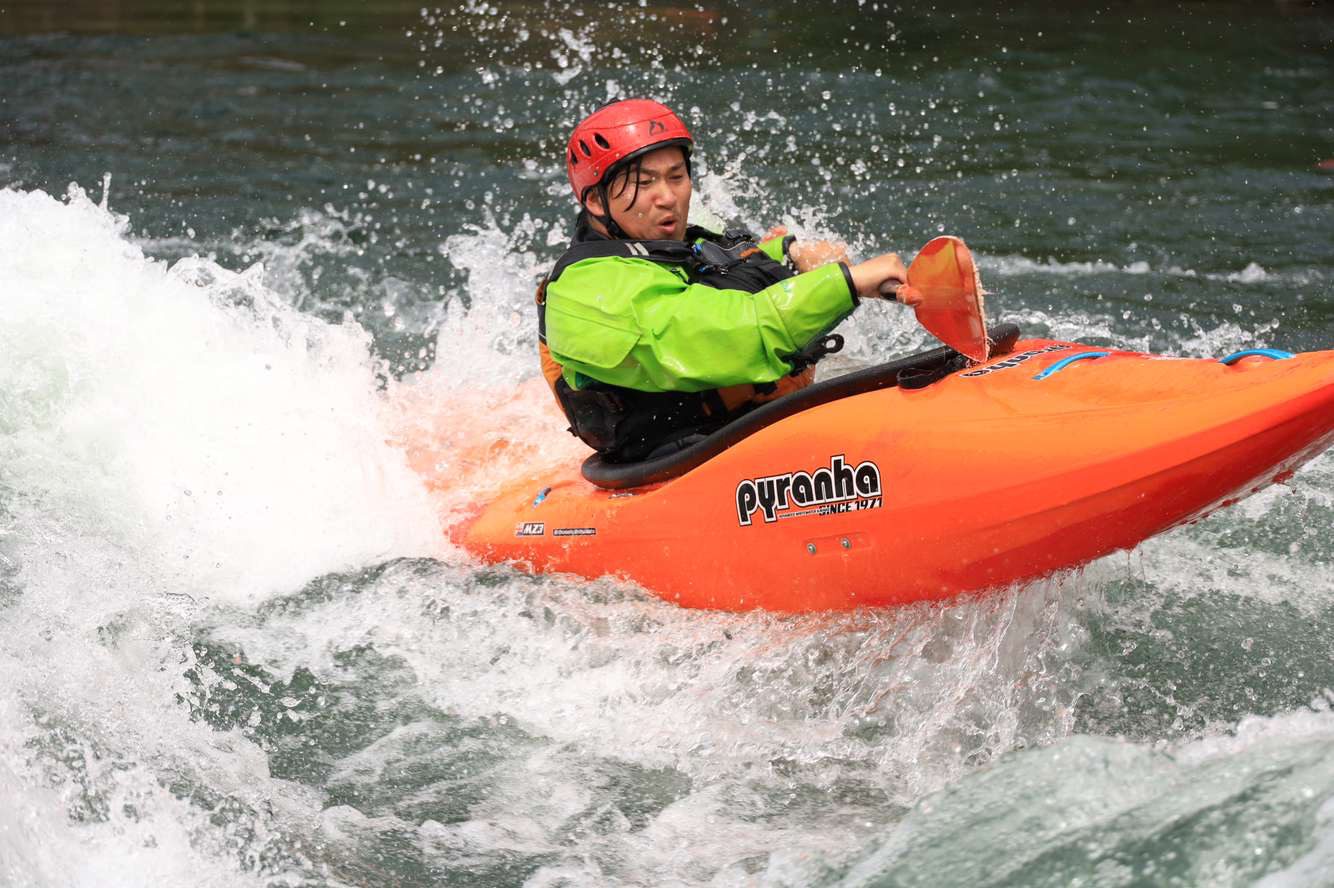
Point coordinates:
[[233, 646]]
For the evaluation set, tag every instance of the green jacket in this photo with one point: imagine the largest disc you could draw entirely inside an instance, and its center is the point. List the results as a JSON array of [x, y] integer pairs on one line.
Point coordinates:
[[642, 325]]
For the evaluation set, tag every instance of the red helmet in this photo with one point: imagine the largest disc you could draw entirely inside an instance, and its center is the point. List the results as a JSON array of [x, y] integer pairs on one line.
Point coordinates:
[[617, 132]]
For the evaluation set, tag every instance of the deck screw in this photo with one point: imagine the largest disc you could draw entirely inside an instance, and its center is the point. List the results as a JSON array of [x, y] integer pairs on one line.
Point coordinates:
[[810, 547], [845, 543]]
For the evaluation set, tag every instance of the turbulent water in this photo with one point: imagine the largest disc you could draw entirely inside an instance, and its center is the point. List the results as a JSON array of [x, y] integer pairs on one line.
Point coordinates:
[[239, 359]]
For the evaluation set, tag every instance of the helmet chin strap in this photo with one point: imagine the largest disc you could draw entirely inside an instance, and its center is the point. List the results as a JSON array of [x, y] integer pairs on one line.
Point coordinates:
[[613, 230]]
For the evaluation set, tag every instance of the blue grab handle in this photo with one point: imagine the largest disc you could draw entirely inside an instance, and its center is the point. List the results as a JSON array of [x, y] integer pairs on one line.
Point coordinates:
[[1066, 362], [1273, 353]]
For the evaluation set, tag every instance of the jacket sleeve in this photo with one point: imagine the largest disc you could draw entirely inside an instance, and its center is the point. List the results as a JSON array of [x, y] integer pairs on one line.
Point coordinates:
[[639, 324]]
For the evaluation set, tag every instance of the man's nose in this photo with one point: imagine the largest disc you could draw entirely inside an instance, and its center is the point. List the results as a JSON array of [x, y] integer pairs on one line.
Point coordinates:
[[663, 195]]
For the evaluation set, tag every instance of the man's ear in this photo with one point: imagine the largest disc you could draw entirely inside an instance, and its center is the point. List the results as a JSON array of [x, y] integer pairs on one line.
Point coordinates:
[[593, 203]]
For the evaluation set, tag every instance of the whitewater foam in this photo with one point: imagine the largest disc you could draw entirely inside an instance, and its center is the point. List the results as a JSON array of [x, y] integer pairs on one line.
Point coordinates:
[[188, 413], [173, 442]]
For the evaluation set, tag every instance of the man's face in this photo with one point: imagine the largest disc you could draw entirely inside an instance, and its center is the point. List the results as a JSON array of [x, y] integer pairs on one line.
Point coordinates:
[[652, 205]]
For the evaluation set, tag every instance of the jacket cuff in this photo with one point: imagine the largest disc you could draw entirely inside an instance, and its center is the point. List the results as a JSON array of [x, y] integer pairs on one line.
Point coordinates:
[[852, 288]]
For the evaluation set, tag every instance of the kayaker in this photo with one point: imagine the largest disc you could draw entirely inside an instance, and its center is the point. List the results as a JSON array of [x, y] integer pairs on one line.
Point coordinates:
[[654, 331]]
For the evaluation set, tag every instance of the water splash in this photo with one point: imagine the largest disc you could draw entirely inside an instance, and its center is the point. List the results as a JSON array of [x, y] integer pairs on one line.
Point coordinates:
[[188, 412], [172, 439]]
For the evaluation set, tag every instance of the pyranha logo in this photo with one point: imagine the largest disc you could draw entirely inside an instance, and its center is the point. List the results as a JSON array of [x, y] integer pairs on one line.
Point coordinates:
[[828, 490], [531, 529]]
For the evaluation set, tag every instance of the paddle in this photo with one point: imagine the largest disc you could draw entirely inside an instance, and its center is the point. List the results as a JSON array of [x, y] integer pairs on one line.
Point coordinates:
[[950, 305]]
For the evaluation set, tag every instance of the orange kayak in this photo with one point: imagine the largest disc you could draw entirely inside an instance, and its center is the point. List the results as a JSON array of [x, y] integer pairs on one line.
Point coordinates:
[[1049, 455]]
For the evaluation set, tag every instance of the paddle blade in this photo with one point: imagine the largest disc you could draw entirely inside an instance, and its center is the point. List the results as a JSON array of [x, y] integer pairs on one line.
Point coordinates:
[[951, 308]]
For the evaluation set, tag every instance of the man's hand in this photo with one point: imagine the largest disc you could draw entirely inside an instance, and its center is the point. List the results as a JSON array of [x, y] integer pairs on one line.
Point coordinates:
[[806, 255], [884, 276]]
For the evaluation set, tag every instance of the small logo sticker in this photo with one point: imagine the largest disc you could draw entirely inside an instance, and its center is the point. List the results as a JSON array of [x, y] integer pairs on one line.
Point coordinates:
[[575, 532], [531, 529]]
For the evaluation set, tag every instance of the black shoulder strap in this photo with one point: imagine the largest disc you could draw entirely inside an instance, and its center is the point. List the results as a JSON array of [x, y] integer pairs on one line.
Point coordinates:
[[542, 311], [668, 252]]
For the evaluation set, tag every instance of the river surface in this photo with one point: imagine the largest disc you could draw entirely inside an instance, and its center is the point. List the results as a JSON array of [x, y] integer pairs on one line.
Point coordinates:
[[234, 646]]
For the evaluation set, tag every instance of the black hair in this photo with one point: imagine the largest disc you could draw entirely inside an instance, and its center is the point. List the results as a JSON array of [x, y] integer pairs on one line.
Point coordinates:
[[626, 171]]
